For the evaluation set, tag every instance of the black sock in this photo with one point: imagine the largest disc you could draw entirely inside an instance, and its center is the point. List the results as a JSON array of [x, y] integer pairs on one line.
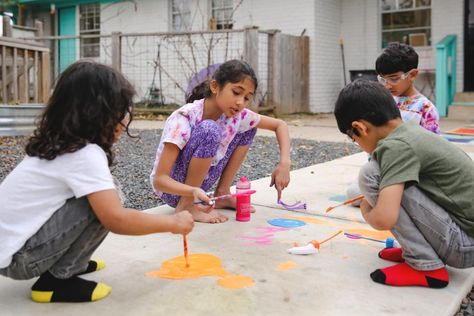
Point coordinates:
[[51, 289], [92, 266]]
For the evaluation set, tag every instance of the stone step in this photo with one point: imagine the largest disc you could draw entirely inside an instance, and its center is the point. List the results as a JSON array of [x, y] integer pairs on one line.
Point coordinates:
[[464, 97], [461, 111]]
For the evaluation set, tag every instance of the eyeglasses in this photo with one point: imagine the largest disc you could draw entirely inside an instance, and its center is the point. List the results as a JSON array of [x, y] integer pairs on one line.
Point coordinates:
[[350, 134], [393, 80]]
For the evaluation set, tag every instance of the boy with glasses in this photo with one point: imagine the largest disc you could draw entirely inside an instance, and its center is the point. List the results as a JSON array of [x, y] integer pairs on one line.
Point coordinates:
[[397, 69], [417, 185]]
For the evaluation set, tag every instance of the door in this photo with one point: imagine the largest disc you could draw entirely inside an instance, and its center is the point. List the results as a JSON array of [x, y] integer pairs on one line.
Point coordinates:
[[67, 47], [469, 46]]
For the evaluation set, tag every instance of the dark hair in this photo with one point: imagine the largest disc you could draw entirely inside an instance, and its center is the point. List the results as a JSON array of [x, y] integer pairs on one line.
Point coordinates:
[[396, 57], [87, 103], [364, 100], [231, 71]]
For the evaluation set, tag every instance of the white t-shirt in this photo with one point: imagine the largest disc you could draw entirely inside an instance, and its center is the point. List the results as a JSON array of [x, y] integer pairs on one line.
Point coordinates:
[[37, 188]]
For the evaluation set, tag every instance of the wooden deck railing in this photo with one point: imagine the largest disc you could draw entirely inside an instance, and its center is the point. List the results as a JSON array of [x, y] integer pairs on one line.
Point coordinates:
[[24, 66], [24, 72]]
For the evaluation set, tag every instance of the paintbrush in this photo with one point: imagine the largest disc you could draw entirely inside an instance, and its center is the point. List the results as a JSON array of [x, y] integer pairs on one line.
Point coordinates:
[[350, 201], [185, 244], [226, 196], [317, 244]]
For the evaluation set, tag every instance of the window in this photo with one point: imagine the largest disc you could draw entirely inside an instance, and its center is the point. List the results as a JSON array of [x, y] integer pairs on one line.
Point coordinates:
[[181, 15], [222, 11], [89, 24], [406, 21]]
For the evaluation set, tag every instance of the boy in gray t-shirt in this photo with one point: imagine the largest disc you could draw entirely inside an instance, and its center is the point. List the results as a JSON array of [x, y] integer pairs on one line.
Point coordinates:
[[418, 186]]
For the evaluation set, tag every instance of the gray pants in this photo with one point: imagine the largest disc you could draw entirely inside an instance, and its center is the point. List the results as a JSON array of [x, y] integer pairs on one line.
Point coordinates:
[[426, 232], [63, 245]]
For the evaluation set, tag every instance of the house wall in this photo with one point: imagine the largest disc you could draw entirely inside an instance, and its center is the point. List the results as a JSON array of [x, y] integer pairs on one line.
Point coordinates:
[[360, 31], [290, 17], [356, 22], [320, 20], [448, 18], [135, 16], [327, 72]]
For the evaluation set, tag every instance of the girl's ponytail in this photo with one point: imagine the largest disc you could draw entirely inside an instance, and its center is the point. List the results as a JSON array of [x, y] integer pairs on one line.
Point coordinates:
[[230, 71], [201, 91]]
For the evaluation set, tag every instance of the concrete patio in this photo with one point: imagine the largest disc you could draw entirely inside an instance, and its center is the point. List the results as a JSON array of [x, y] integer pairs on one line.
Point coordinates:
[[333, 282]]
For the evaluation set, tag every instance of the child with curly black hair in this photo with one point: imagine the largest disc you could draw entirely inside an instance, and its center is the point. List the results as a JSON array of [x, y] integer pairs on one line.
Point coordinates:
[[60, 202]]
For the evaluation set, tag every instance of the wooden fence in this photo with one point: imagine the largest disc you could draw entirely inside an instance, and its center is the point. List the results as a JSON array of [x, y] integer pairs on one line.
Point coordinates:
[[166, 62], [24, 70]]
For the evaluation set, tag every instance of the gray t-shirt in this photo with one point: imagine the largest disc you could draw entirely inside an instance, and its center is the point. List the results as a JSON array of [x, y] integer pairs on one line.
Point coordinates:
[[441, 170]]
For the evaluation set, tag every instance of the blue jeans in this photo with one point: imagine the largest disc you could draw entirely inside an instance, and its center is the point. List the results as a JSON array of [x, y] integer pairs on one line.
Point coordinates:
[[63, 245], [426, 232]]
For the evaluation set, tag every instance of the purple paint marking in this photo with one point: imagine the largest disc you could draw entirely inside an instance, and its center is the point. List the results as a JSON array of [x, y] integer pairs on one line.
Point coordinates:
[[300, 205]]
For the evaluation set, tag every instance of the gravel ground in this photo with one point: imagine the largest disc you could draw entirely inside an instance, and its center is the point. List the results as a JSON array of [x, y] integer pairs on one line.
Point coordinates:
[[135, 159]]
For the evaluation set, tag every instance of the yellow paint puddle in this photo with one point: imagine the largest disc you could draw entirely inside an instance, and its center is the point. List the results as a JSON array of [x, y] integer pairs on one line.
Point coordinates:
[[200, 265], [286, 266], [381, 234], [232, 281]]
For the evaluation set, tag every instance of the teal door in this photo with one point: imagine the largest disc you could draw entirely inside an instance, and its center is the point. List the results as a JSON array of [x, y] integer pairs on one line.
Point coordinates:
[[67, 47]]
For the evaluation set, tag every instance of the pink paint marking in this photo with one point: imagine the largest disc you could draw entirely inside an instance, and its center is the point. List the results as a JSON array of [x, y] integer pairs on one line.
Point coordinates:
[[267, 229], [256, 237], [265, 239]]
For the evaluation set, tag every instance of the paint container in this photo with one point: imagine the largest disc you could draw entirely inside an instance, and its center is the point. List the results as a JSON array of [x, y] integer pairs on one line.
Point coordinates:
[[391, 242], [242, 213], [309, 249]]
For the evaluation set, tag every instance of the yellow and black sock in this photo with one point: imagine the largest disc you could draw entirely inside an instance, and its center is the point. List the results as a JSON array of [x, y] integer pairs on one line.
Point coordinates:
[[93, 265], [49, 289]]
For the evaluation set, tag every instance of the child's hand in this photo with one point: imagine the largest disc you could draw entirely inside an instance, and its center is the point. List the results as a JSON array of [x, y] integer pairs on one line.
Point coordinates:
[[184, 223], [280, 178], [200, 196]]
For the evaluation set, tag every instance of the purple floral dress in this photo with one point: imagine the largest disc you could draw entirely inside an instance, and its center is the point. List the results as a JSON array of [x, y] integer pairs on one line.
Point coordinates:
[[180, 124]]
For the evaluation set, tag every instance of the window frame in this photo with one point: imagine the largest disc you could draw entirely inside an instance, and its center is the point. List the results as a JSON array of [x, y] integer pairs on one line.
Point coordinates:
[[416, 30], [86, 43], [173, 14], [226, 5]]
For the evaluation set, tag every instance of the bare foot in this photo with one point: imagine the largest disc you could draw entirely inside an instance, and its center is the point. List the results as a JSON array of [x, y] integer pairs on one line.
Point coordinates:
[[213, 217], [230, 204]]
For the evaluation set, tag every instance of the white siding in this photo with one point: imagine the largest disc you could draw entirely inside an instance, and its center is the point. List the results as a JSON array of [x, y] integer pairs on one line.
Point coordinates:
[[326, 57], [360, 31], [321, 21], [135, 16], [448, 18]]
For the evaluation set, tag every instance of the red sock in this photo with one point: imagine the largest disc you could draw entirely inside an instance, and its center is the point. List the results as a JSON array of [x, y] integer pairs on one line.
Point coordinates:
[[391, 254], [402, 275]]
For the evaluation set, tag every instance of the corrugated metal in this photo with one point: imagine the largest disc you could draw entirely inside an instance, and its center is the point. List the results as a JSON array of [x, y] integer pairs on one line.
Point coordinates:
[[18, 119]]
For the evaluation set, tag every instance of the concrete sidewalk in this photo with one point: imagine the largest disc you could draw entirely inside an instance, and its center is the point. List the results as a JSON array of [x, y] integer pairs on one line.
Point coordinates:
[[334, 282]]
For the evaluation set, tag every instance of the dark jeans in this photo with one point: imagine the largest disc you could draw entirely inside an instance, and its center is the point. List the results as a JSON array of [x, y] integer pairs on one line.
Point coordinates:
[[426, 232], [63, 245]]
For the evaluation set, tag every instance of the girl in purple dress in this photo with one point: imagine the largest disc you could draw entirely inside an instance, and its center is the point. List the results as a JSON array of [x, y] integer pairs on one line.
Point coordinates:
[[207, 139]]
